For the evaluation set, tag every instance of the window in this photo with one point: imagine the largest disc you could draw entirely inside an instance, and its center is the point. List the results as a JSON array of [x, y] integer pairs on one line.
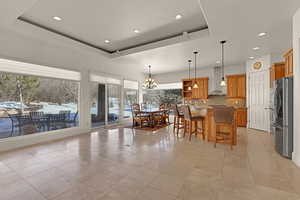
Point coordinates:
[[32, 104], [130, 96], [166, 93]]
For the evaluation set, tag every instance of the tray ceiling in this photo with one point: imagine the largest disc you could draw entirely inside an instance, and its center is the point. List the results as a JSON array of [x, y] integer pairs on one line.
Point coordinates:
[[92, 22]]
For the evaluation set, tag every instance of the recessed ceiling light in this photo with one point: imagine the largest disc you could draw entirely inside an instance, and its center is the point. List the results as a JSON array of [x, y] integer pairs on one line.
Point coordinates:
[[251, 57], [136, 30], [57, 18], [178, 16], [106, 41], [256, 48], [262, 34]]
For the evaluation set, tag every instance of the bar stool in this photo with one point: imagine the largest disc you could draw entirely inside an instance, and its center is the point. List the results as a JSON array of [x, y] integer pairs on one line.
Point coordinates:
[[164, 107], [224, 116], [178, 120], [189, 120]]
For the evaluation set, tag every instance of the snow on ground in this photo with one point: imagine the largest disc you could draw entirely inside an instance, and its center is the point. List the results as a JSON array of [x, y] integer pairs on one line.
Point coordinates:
[[11, 105]]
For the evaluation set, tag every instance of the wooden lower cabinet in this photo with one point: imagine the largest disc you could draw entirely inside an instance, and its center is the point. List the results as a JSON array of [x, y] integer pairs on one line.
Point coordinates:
[[241, 117]]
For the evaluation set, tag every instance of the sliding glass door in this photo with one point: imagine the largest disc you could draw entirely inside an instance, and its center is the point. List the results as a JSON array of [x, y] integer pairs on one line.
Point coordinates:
[[113, 102], [97, 104]]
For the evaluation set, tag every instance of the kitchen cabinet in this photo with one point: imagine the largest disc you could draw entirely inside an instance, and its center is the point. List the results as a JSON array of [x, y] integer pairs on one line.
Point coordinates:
[[277, 71], [241, 117], [288, 56], [195, 93], [236, 86]]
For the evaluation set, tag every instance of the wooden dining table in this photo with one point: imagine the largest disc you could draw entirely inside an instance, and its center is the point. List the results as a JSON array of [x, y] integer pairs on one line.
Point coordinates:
[[152, 113]]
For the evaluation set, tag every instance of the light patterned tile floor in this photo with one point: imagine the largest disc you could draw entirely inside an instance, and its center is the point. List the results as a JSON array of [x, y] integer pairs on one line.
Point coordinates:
[[122, 163]]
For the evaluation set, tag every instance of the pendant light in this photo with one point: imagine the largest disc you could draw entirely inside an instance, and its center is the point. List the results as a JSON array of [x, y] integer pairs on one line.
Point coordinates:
[[195, 86], [190, 61], [223, 83], [149, 83]]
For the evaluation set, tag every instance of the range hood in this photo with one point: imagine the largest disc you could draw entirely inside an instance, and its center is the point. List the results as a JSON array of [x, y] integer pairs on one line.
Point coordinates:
[[217, 77]]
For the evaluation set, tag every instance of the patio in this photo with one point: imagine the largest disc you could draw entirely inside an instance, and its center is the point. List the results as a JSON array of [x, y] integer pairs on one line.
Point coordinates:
[[35, 122]]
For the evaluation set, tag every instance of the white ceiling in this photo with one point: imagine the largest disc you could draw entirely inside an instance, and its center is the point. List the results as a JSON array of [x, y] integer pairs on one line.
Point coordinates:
[[236, 21], [95, 21]]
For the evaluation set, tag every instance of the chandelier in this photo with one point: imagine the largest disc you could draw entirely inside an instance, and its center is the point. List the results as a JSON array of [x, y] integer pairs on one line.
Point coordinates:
[[149, 82]]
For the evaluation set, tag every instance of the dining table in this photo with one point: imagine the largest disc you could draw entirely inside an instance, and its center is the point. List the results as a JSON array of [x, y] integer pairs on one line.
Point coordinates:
[[152, 112]]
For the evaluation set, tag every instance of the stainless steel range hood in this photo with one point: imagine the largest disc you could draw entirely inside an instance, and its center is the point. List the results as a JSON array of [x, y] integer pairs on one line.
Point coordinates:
[[217, 77]]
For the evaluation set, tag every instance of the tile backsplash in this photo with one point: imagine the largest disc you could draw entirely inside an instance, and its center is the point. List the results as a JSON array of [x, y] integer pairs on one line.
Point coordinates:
[[218, 100]]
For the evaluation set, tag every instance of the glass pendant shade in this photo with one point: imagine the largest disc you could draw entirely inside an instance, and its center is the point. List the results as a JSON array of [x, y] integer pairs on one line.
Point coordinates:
[[195, 85], [149, 82], [223, 82]]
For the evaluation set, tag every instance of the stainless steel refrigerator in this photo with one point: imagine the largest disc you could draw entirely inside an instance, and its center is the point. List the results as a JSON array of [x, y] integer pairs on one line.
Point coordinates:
[[282, 124]]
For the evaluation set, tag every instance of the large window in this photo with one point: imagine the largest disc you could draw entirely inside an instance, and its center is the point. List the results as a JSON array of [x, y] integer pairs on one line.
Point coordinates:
[[32, 104], [166, 93], [130, 96]]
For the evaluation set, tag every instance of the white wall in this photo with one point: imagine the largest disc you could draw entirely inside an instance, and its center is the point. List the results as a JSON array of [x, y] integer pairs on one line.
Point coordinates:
[[296, 45], [201, 72]]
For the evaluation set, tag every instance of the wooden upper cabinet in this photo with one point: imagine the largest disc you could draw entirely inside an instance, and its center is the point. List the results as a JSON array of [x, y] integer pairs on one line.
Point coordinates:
[[236, 86], [241, 86], [288, 56], [231, 84], [277, 71], [196, 93]]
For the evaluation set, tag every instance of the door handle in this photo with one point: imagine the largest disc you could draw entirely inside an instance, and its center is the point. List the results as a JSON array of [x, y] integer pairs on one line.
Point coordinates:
[[268, 108]]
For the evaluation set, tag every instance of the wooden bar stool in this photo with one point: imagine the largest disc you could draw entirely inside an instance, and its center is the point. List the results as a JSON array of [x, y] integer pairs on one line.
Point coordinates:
[[224, 117], [189, 120], [178, 120]]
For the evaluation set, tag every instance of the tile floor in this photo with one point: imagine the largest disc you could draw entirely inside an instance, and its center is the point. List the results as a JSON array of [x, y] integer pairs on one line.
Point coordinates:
[[124, 164]]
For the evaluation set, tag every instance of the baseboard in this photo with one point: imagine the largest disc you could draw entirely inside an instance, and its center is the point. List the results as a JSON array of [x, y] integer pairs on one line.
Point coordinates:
[[28, 140], [296, 159]]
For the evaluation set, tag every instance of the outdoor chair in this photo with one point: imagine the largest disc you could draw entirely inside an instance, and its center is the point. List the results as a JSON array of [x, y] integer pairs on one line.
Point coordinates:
[[38, 119], [26, 125], [14, 121]]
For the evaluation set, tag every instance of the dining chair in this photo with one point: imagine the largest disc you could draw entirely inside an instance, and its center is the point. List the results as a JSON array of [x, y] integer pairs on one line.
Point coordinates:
[[190, 120], [178, 119], [225, 117], [138, 117]]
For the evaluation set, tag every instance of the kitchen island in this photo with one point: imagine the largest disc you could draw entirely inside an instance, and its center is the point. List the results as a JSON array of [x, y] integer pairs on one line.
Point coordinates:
[[210, 127]]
